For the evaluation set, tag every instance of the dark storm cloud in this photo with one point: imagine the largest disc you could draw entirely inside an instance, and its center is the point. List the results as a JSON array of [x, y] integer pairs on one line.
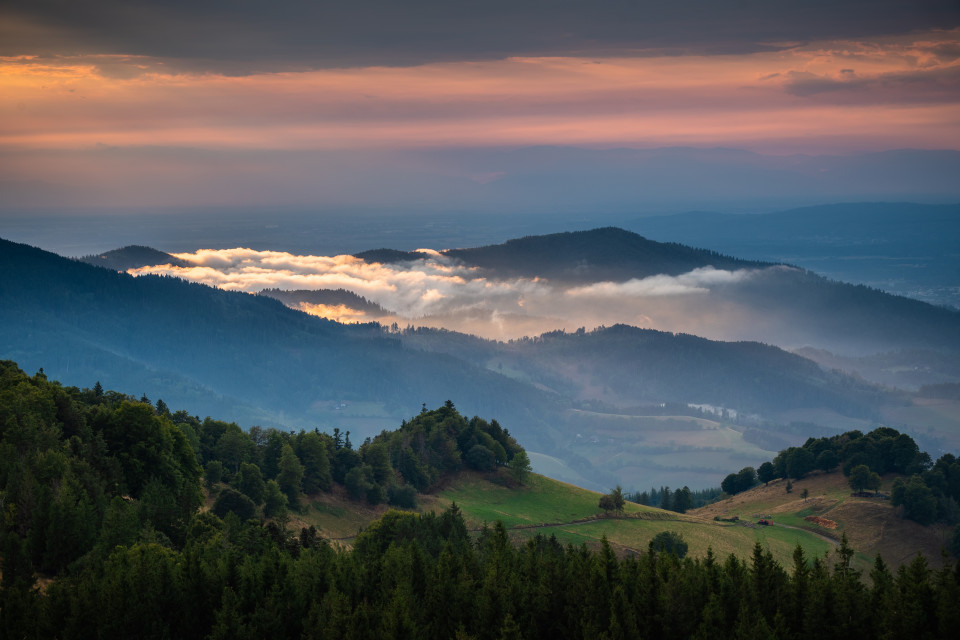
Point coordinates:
[[241, 36]]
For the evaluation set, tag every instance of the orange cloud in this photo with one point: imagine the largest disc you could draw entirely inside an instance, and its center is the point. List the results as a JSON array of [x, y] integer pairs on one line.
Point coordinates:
[[880, 94]]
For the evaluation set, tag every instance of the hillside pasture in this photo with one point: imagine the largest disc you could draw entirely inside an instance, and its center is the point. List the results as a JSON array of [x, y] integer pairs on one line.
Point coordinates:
[[871, 524], [572, 514]]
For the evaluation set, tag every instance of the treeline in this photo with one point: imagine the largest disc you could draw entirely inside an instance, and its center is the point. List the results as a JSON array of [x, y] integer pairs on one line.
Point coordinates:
[[261, 465], [78, 468], [930, 492], [680, 500], [413, 576], [84, 471], [332, 297], [101, 536]]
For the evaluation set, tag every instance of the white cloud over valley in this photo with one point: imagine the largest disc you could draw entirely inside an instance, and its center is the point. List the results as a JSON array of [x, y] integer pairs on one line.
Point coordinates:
[[439, 291]]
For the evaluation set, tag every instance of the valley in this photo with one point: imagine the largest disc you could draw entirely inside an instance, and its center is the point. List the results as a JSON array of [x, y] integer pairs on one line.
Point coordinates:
[[480, 321], [365, 377], [588, 402]]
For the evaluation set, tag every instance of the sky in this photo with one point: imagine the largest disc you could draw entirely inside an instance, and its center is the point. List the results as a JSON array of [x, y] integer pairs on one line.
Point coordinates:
[[138, 104]]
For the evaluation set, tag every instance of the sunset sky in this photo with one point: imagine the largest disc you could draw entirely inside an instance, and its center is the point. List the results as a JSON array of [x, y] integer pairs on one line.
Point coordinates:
[[119, 103]]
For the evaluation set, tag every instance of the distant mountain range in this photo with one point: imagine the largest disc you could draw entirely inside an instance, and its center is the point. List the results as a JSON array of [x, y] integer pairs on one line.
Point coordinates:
[[578, 256], [556, 180], [252, 359], [903, 248], [205, 349], [776, 304], [862, 228], [779, 304]]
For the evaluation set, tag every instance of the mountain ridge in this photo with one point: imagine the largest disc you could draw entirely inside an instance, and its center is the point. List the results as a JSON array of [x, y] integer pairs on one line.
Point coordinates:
[[132, 257], [590, 256], [206, 349], [578, 256]]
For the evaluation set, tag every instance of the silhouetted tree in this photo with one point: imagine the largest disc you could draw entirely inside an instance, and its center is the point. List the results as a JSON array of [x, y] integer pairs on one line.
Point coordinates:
[[669, 542]]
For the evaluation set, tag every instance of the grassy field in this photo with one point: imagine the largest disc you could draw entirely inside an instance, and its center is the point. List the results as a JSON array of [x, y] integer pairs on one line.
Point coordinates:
[[723, 539], [335, 516], [541, 501], [547, 502], [871, 525], [572, 515]]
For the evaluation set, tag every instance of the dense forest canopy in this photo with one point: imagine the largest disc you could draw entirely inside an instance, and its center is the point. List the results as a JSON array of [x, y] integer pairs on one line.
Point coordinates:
[[67, 454], [101, 536]]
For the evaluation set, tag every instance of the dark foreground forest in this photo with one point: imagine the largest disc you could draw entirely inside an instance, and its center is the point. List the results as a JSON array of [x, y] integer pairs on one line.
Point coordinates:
[[102, 536]]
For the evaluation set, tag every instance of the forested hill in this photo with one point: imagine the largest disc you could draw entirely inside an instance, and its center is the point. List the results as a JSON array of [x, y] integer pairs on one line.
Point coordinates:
[[930, 493], [782, 305], [786, 306], [101, 537], [83, 470], [579, 256], [132, 257], [250, 359], [636, 366], [593, 256], [224, 353], [330, 297]]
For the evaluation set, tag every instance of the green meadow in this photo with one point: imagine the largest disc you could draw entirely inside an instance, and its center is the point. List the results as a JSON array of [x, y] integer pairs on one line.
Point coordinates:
[[572, 515]]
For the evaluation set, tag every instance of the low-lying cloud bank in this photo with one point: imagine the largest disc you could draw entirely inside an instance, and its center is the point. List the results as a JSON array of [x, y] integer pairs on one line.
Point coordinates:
[[441, 292]]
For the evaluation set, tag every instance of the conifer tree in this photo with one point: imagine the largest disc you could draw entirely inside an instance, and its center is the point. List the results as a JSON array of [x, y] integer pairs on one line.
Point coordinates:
[[290, 475]]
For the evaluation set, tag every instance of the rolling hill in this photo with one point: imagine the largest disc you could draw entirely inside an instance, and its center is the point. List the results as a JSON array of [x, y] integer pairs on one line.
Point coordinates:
[[105, 521], [902, 248], [206, 349], [579, 256], [786, 306], [758, 300], [131, 257], [609, 276], [546, 506], [251, 359], [327, 297], [871, 525]]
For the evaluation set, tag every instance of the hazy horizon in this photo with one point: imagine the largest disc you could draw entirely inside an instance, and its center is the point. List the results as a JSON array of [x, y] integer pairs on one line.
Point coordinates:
[[500, 107]]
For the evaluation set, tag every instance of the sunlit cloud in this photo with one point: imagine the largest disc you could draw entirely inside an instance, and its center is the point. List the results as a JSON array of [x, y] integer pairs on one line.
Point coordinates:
[[694, 282], [437, 291], [341, 313]]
